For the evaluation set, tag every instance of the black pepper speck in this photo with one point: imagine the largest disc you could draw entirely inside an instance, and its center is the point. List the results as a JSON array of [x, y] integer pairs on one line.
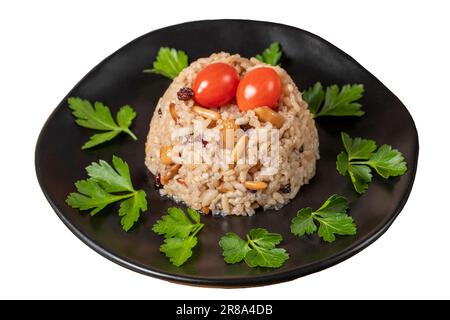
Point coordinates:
[[286, 188]]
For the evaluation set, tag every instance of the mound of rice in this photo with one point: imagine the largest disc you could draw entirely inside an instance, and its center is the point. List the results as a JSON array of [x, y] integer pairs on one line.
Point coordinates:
[[219, 187]]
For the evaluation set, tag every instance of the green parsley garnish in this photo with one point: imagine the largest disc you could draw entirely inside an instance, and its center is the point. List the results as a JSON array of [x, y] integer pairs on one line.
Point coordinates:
[[99, 117], [107, 185], [331, 216], [334, 102], [271, 55], [180, 234], [169, 62], [258, 250], [360, 156]]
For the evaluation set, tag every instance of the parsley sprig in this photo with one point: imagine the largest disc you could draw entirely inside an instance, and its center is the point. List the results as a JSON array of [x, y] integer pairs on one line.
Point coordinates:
[[271, 55], [360, 156], [258, 250], [99, 117], [180, 234], [331, 216], [334, 101], [169, 62], [108, 185]]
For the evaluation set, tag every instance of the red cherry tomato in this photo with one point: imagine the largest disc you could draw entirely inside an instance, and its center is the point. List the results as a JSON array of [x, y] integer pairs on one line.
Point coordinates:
[[260, 87], [215, 85]]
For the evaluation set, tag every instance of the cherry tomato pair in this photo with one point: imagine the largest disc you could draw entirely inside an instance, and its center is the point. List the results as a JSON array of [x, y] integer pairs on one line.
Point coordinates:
[[218, 83]]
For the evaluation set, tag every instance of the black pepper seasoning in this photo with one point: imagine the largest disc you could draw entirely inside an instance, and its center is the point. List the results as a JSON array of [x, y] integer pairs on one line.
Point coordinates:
[[286, 188]]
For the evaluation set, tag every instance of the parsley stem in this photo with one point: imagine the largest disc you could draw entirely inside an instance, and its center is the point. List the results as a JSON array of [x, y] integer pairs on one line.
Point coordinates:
[[359, 162], [124, 196], [197, 228], [132, 135], [251, 243]]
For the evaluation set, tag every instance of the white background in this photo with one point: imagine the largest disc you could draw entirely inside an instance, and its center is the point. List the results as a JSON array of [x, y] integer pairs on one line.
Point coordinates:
[[47, 46]]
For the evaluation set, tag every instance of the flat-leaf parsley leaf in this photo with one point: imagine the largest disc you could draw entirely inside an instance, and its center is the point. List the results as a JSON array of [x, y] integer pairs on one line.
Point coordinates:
[[360, 156], [99, 117], [331, 216], [108, 185], [258, 250], [271, 55], [334, 101], [169, 62], [179, 233]]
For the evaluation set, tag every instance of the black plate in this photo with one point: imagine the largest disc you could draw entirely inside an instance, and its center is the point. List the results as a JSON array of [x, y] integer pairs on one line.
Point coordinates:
[[119, 80]]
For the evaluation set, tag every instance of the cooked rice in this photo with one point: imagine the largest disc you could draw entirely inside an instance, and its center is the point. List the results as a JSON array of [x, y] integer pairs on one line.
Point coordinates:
[[197, 184]]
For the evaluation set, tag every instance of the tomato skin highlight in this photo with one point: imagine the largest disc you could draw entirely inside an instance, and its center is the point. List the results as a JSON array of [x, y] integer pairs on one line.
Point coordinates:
[[260, 87], [215, 85]]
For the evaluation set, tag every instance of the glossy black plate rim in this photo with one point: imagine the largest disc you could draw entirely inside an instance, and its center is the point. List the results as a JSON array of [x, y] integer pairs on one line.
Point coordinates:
[[266, 279]]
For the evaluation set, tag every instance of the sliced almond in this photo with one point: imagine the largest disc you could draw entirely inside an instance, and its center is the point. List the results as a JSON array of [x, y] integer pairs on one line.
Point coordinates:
[[255, 185], [206, 113], [173, 112], [182, 181], [170, 174], [255, 168], [212, 124], [266, 114], [166, 155], [239, 149]]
